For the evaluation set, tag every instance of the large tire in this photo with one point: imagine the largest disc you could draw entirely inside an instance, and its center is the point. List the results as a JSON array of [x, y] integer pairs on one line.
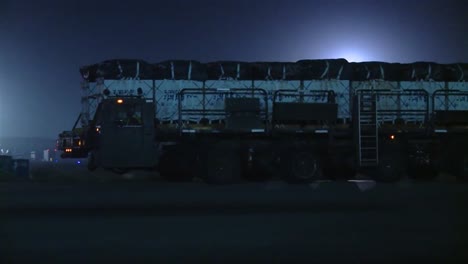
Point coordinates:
[[387, 171], [176, 164], [422, 171], [261, 168], [341, 167], [223, 166], [422, 166], [301, 167]]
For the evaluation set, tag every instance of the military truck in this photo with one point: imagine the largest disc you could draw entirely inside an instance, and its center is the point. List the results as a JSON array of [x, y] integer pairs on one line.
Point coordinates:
[[303, 121]]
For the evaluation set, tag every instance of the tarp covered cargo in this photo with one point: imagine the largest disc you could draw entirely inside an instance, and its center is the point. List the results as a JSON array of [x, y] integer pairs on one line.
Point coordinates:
[[229, 70], [301, 70], [324, 69], [427, 71], [456, 72], [276, 71], [179, 70], [375, 70], [118, 69]]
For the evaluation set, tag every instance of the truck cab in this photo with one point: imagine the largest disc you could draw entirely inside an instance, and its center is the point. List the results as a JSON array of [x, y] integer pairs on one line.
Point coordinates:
[[122, 134]]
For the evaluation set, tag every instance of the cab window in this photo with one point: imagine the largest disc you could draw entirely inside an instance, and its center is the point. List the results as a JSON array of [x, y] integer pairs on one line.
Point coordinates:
[[129, 115]]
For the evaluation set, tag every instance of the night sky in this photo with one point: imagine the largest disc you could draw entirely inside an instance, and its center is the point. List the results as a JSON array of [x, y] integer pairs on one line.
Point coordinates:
[[43, 43]]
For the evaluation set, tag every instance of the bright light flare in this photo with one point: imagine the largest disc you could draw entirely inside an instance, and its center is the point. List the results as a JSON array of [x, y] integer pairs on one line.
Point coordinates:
[[353, 54]]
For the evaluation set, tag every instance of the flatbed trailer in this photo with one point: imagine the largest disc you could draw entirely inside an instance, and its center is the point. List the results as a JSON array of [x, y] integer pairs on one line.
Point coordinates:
[[301, 127]]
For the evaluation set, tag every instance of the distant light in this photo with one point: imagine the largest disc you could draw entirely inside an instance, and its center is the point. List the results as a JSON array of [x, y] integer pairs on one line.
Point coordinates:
[[351, 54], [354, 57], [78, 162], [119, 101], [392, 137]]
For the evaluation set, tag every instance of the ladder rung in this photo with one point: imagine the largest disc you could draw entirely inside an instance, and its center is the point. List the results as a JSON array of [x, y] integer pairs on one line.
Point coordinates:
[[368, 130], [369, 163], [369, 160], [364, 164]]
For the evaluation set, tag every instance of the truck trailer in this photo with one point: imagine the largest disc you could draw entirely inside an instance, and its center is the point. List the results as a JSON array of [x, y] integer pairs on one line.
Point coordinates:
[[303, 121]]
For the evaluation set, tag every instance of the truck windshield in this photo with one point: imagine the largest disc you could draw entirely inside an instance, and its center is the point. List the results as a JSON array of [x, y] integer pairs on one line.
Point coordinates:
[[128, 115]]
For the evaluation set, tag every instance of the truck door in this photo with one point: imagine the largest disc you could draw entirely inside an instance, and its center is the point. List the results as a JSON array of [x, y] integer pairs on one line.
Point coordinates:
[[127, 138]]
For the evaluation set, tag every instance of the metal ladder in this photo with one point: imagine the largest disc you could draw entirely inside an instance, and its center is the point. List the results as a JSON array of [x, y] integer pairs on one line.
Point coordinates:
[[368, 146]]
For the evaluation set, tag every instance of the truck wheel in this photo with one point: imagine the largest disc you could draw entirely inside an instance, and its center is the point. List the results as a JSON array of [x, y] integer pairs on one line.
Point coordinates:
[[387, 171], [422, 171], [223, 166], [302, 167], [259, 169], [339, 168], [175, 165]]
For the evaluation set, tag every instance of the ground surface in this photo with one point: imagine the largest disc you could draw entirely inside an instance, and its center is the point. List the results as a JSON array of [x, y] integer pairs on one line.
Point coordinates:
[[156, 222]]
